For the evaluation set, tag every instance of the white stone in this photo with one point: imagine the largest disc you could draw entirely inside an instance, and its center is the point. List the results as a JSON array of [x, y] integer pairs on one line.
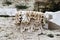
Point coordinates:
[[8, 11], [55, 17]]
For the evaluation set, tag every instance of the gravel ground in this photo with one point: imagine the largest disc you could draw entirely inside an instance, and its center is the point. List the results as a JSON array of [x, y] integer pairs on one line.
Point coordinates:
[[9, 31]]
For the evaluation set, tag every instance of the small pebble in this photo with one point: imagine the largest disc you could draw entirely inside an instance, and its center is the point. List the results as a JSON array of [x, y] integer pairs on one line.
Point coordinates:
[[41, 34], [57, 34], [50, 35]]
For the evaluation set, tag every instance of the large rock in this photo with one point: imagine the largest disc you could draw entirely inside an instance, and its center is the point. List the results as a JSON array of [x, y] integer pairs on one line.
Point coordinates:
[[54, 23]]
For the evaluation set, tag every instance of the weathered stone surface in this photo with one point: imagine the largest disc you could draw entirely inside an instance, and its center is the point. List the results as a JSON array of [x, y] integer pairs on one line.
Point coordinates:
[[9, 31], [14, 3], [49, 5]]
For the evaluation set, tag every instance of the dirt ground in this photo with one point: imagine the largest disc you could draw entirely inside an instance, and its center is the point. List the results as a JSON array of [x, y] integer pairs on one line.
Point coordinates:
[[9, 31]]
